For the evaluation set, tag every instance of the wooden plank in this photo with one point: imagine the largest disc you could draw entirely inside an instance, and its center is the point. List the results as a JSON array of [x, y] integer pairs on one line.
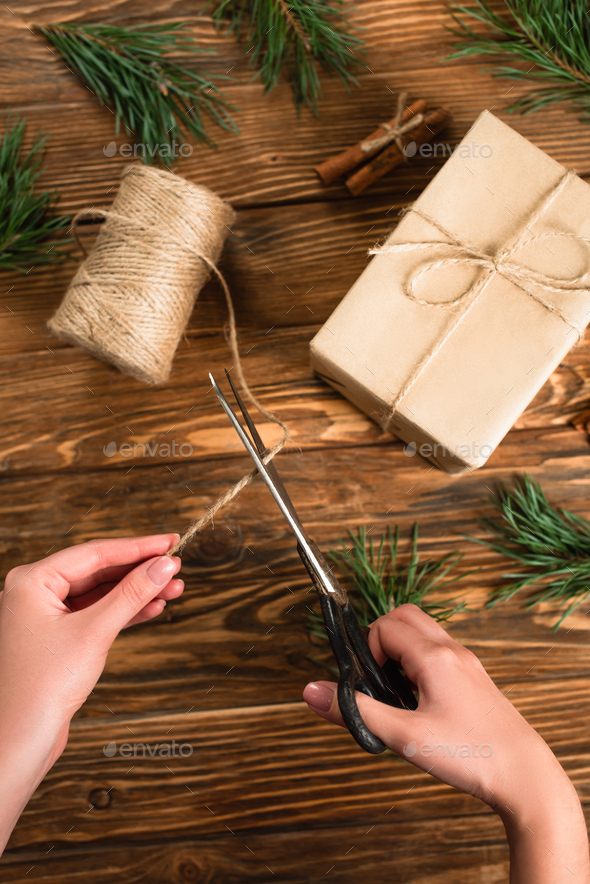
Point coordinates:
[[237, 610], [261, 769], [299, 794], [460, 850], [80, 405], [37, 83], [238, 171], [287, 266]]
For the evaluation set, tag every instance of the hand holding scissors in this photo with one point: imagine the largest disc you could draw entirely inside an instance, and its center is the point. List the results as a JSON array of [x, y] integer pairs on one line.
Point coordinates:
[[358, 669]]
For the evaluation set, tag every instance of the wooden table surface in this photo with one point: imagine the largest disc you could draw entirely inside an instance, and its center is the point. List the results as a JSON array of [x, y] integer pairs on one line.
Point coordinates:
[[270, 792]]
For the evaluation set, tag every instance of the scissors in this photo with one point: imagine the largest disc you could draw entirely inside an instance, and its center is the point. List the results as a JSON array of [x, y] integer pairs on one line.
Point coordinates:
[[358, 669]]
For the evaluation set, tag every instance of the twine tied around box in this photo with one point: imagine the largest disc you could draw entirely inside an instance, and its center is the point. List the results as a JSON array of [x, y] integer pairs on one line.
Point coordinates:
[[497, 263], [131, 298], [393, 133]]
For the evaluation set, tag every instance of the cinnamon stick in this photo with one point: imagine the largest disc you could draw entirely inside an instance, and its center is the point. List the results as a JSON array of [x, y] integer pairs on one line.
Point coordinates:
[[434, 121], [349, 159], [581, 421]]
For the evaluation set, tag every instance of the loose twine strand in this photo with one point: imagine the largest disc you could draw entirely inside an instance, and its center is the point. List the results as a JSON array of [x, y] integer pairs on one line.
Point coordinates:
[[132, 296], [491, 264], [230, 495], [395, 132]]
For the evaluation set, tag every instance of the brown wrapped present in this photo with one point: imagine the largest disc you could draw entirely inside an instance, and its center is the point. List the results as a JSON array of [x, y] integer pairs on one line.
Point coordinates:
[[470, 304]]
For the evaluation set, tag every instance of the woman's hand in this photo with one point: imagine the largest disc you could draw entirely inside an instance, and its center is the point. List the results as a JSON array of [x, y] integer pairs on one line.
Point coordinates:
[[58, 619], [468, 734]]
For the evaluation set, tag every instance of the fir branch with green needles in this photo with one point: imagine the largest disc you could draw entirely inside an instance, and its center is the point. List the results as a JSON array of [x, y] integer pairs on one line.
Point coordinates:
[[27, 217], [550, 37], [551, 544], [380, 583], [294, 35], [154, 97]]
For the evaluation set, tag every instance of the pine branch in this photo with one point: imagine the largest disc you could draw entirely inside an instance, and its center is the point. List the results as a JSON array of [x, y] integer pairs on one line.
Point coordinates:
[[551, 545], [294, 35], [380, 583], [551, 38], [27, 218], [154, 97]]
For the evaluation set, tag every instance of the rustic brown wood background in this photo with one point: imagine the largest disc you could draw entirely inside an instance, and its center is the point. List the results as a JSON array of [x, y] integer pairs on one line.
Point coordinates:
[[270, 792]]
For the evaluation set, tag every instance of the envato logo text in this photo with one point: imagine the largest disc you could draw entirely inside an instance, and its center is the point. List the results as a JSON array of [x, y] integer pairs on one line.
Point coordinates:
[[445, 150], [152, 150], [427, 449], [149, 750], [431, 750], [144, 449]]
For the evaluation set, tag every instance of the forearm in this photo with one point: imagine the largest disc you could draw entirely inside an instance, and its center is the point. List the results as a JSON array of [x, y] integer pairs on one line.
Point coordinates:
[[27, 751], [547, 834]]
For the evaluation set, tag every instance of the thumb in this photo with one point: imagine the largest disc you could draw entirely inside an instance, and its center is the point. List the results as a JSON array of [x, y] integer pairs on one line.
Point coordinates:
[[114, 610], [394, 726]]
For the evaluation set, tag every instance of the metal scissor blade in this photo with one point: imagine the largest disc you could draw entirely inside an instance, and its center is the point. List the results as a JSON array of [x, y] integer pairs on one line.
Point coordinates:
[[294, 524], [270, 467]]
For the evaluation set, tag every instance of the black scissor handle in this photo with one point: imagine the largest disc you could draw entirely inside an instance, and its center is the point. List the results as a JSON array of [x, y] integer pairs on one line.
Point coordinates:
[[343, 627], [351, 678]]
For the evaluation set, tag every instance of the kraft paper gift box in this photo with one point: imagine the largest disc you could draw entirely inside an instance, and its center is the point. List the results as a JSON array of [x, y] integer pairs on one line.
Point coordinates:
[[471, 302]]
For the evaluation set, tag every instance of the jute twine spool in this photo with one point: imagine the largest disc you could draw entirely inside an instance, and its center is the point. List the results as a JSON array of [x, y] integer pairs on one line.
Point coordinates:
[[131, 299]]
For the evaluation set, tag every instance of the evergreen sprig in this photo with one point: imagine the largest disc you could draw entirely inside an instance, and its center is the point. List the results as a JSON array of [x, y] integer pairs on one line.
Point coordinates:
[[550, 37], [551, 544], [293, 35], [129, 68], [27, 218], [380, 583]]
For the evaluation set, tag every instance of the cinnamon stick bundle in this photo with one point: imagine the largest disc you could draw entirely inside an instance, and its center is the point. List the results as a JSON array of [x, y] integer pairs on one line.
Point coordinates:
[[391, 156], [349, 159]]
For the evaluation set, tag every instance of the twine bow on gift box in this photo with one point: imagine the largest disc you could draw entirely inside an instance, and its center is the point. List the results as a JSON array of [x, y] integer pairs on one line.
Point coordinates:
[[467, 254]]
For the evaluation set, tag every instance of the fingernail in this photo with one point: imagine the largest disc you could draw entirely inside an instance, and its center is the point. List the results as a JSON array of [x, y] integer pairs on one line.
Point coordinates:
[[161, 570], [318, 696]]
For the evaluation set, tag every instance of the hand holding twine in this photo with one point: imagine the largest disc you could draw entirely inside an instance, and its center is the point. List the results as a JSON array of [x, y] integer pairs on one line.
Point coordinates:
[[467, 254]]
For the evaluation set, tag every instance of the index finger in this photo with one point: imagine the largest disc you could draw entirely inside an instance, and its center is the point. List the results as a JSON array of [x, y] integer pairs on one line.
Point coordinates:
[[86, 559], [391, 637]]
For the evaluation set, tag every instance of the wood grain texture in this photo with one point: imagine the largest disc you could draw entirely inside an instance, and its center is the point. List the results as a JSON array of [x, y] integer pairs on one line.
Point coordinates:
[[467, 850], [61, 407], [268, 769], [414, 37], [290, 798], [287, 266]]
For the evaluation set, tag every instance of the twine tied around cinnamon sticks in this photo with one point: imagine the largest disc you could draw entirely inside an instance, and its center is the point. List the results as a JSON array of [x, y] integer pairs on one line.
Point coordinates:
[[387, 147], [393, 132], [466, 253]]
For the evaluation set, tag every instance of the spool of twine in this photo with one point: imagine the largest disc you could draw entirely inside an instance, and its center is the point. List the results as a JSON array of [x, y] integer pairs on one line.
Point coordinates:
[[131, 298]]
